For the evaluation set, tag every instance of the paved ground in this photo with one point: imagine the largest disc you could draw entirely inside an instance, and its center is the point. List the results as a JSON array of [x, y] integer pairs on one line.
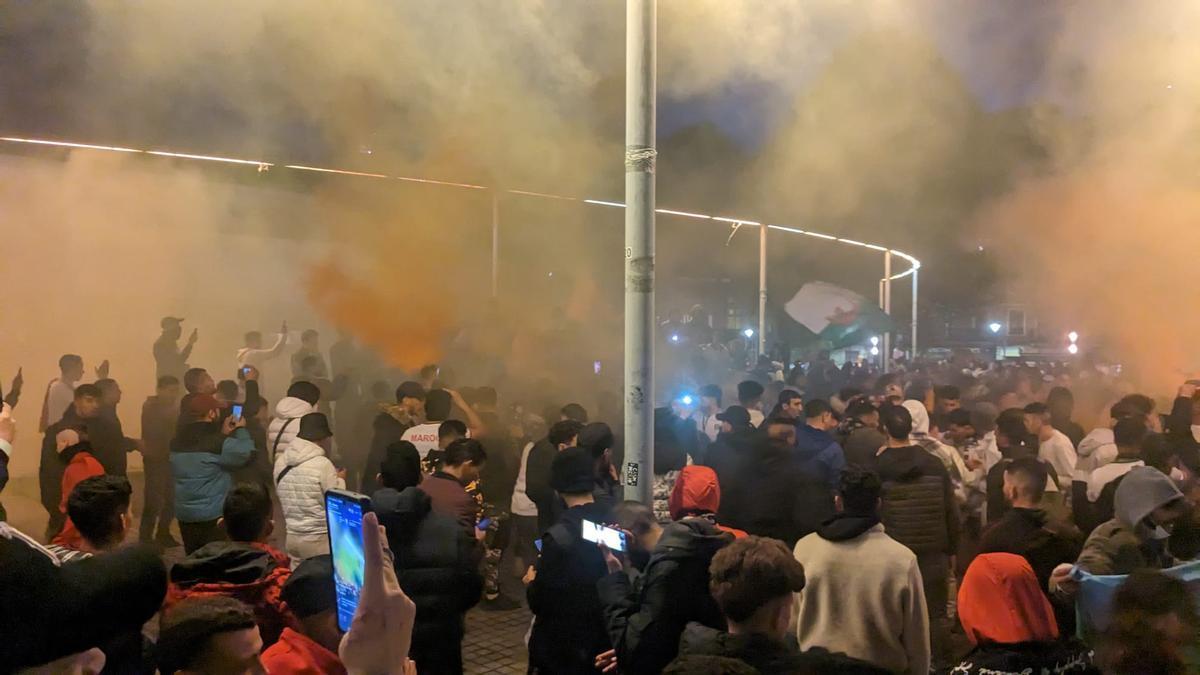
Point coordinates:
[[495, 642]]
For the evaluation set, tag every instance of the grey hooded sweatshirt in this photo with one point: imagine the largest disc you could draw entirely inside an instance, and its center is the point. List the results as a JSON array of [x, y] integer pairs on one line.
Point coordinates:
[[1128, 542]]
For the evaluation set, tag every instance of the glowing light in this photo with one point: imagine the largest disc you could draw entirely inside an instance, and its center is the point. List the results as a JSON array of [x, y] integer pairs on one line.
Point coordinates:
[[749, 332], [599, 202], [686, 400], [1073, 348], [994, 327], [874, 340], [874, 351], [675, 337], [1073, 337], [64, 144], [341, 171], [207, 158], [685, 214], [736, 221]]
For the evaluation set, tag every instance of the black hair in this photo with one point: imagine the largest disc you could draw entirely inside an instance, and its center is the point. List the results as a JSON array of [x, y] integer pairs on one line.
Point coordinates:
[[1156, 452], [847, 393], [1133, 404], [228, 389], [1032, 473], [437, 405], [947, 392], [1128, 432], [669, 452], [711, 391], [1011, 424], [860, 407], [401, 466], [816, 407], [634, 517], [167, 381], [88, 391], [456, 428], [106, 384], [1059, 393], [95, 507], [68, 360], [465, 450], [860, 489], [749, 390], [247, 511], [596, 438], [191, 379], [574, 411], [305, 391], [960, 417], [563, 431], [788, 395], [186, 628], [1036, 408], [897, 421]]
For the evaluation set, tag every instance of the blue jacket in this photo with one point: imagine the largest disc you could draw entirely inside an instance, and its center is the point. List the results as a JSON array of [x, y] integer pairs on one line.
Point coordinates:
[[819, 454], [202, 459]]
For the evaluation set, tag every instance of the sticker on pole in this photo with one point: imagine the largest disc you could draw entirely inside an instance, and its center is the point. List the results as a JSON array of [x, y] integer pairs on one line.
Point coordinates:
[[633, 471], [629, 253]]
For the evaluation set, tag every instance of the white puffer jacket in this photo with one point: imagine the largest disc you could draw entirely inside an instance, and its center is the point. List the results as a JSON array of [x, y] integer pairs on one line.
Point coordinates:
[[288, 409], [302, 490]]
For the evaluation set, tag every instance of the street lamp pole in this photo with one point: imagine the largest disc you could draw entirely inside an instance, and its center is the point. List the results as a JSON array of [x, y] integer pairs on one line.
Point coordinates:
[[887, 309], [762, 289], [641, 17]]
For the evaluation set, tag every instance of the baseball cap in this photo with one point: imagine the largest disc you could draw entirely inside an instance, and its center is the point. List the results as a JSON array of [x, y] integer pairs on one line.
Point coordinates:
[[410, 389], [200, 405], [310, 590], [572, 471], [170, 321], [735, 415]]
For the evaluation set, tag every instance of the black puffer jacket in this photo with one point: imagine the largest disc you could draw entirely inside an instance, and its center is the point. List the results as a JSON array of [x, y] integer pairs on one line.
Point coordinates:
[[768, 656], [918, 500], [436, 563], [646, 618]]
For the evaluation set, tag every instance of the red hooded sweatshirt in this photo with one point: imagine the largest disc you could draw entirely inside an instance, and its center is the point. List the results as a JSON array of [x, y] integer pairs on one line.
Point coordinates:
[[697, 492], [999, 601], [297, 654], [81, 467]]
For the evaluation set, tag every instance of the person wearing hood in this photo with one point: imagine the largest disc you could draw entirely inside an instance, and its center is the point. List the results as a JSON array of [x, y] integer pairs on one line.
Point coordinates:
[[437, 562], [948, 456], [302, 475], [301, 399], [863, 593], [817, 449], [697, 493], [919, 511], [568, 631], [244, 567], [1147, 506], [646, 617], [1099, 447], [1011, 623], [1128, 434], [859, 433], [204, 453], [76, 455], [392, 420], [754, 582]]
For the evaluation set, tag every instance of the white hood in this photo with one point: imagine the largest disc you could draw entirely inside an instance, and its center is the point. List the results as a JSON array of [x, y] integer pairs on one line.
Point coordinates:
[[920, 417], [290, 406], [300, 451]]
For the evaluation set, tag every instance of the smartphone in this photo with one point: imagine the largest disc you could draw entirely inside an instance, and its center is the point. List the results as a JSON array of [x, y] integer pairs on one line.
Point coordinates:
[[483, 524], [236, 411], [245, 371], [537, 543], [344, 519], [600, 534], [596, 367]]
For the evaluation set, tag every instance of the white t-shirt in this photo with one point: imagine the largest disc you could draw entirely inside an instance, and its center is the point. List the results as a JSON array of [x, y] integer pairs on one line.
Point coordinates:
[[1060, 453], [521, 504], [424, 436], [59, 397], [756, 417], [1106, 474], [707, 424]]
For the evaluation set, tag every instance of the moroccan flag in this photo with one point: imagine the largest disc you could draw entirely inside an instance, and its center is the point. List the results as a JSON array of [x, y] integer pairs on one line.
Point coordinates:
[[836, 315]]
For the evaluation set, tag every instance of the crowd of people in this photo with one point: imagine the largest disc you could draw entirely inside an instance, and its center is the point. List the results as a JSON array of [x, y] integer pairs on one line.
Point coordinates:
[[939, 520]]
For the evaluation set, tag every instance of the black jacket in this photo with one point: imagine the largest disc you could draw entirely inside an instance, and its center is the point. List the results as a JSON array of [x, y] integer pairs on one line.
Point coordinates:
[[51, 467], [568, 629], [918, 500], [387, 430], [862, 446], [646, 618], [766, 491], [766, 655], [997, 505], [436, 563], [109, 443], [537, 483], [1069, 657]]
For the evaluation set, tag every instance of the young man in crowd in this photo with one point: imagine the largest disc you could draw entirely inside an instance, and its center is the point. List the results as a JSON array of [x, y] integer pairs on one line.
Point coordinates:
[[169, 359], [646, 618], [735, 439], [1128, 435], [209, 636], [310, 347], [198, 381], [204, 453], [244, 567], [562, 435], [915, 487], [863, 594], [1061, 404], [303, 473], [816, 447], [790, 405], [750, 395], [79, 415], [311, 647], [98, 510], [76, 454], [447, 487], [1053, 445], [302, 398], [60, 393], [389, 426], [859, 433], [1098, 448], [110, 445], [160, 413], [754, 582], [568, 630], [424, 436], [1013, 442], [706, 413], [436, 560], [946, 399], [253, 354]]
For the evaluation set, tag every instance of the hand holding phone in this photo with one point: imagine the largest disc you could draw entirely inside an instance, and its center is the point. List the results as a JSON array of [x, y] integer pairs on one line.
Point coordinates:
[[611, 537], [484, 523], [236, 411], [344, 519]]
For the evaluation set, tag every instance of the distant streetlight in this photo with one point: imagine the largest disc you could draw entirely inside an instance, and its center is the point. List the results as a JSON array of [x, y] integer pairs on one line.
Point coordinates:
[[1073, 348], [995, 326], [674, 337], [749, 332], [874, 340], [1073, 337], [874, 351]]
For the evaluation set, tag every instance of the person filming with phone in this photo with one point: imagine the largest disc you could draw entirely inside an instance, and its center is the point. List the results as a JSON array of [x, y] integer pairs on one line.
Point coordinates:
[[568, 629]]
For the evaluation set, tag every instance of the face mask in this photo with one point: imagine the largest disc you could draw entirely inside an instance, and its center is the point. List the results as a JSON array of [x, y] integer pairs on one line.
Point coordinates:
[[1177, 475], [1159, 532]]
